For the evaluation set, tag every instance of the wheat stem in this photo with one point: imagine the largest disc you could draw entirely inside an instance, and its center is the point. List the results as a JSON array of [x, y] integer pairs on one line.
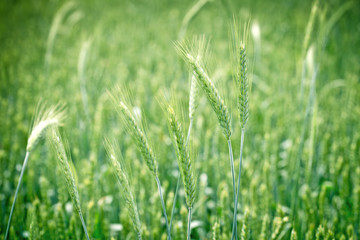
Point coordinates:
[[233, 178], [163, 206], [16, 192], [189, 224], [238, 184], [83, 225]]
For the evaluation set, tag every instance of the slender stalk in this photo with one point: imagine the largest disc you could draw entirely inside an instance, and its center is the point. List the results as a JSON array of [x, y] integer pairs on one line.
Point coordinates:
[[234, 233], [163, 206], [16, 193], [189, 224], [233, 179], [84, 226], [178, 179]]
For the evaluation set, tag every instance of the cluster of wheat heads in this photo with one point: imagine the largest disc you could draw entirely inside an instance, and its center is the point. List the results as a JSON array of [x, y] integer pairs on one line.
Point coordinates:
[[189, 52], [138, 134], [50, 118], [199, 78]]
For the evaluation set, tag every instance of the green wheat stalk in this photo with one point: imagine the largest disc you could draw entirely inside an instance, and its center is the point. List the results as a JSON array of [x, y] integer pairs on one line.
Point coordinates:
[[243, 100], [64, 158], [143, 146], [184, 163], [123, 179], [44, 118]]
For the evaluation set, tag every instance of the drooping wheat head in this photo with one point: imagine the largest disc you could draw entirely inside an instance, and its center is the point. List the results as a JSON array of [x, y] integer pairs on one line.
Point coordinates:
[[44, 118], [137, 134]]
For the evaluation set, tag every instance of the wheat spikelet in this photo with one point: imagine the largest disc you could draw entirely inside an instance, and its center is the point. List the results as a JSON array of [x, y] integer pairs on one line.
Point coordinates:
[[137, 135], [244, 86], [193, 101], [125, 185], [201, 53], [216, 231], [241, 71], [183, 157], [264, 228], [142, 145], [52, 116], [63, 157], [293, 235], [278, 225], [320, 233], [244, 229], [216, 102]]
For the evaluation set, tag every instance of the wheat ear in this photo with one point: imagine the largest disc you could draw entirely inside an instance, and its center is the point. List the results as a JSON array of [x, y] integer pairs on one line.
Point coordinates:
[[44, 118], [184, 163], [123, 179], [137, 135], [144, 148], [63, 157], [216, 102]]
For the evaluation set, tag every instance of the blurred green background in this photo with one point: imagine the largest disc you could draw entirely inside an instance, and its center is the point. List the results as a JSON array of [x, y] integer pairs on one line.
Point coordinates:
[[302, 143]]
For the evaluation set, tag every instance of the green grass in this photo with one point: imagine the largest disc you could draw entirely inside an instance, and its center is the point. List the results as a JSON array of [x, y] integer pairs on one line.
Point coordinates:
[[300, 169]]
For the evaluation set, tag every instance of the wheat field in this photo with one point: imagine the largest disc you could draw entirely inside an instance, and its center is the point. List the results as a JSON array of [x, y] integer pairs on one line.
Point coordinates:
[[204, 119]]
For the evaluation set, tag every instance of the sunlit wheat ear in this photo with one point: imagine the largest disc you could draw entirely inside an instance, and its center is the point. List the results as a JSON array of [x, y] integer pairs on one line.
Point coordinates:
[[44, 118], [183, 157], [216, 102], [136, 133], [63, 159], [121, 174]]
